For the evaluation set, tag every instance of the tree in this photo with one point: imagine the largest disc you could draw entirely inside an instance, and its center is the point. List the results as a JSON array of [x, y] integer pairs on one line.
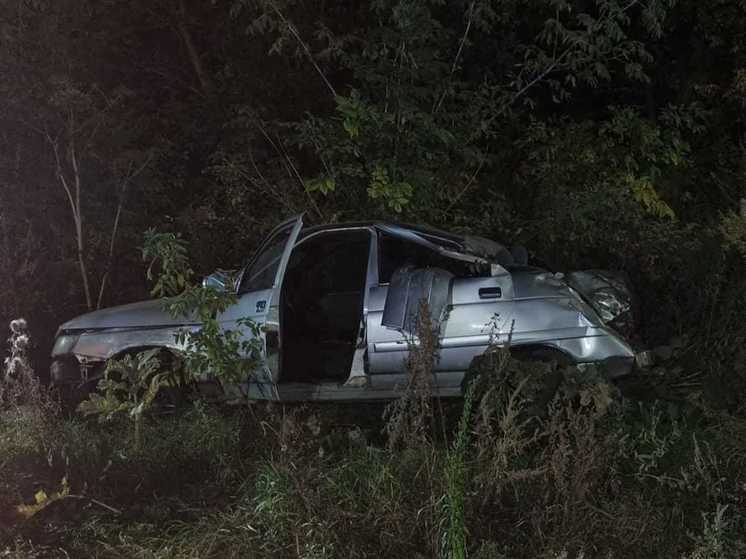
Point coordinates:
[[76, 121]]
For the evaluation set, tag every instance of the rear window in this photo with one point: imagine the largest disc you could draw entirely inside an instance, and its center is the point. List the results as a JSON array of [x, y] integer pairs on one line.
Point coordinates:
[[395, 252]]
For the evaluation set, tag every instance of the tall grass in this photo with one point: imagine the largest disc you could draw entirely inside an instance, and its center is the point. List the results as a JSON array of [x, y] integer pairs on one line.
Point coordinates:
[[594, 476], [456, 473]]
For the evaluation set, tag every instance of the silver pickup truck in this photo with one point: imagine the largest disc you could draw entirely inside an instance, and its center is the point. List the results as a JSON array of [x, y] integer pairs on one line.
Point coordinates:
[[336, 305]]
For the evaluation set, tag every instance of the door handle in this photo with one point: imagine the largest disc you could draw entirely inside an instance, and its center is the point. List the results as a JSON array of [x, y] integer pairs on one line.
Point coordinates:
[[490, 292]]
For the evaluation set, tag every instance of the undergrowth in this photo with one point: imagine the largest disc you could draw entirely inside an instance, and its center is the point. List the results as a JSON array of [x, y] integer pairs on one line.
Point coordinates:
[[592, 475]]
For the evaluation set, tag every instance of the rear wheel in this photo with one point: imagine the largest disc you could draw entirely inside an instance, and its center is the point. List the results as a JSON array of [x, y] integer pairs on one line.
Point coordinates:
[[553, 378], [537, 371]]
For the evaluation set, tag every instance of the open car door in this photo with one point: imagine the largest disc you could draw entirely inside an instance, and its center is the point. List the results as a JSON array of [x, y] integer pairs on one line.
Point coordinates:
[[258, 300]]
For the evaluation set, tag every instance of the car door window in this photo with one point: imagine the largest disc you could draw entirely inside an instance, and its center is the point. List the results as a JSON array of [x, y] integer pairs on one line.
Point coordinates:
[[262, 272]]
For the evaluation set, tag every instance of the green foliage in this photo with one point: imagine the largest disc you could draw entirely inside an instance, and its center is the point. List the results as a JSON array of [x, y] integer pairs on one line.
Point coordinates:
[[169, 252], [324, 185], [129, 387], [396, 195], [454, 538], [229, 355], [733, 228], [712, 542], [644, 193], [414, 131], [352, 111]]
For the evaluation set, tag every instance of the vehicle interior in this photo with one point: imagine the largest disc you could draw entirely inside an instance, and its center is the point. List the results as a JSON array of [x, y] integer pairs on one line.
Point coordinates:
[[395, 252], [321, 306]]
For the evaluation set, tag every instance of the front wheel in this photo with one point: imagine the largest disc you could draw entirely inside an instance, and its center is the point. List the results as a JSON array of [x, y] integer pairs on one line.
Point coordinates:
[[70, 385]]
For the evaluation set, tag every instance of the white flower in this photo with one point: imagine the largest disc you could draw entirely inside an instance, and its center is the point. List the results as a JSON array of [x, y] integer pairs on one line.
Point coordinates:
[[18, 326], [21, 342], [14, 365]]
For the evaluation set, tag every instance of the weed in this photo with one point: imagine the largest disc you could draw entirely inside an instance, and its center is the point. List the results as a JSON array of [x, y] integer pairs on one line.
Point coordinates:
[[717, 540], [129, 386], [410, 419], [19, 385], [503, 433], [453, 523]]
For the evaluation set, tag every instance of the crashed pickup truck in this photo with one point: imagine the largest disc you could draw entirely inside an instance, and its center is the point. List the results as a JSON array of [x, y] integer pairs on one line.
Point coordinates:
[[337, 306]]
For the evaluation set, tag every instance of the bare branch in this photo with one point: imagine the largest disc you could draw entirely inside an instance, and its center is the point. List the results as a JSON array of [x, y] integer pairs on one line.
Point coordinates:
[[78, 217], [130, 175], [194, 56], [466, 187], [458, 55], [266, 183], [61, 175], [305, 48], [65, 186], [291, 167]]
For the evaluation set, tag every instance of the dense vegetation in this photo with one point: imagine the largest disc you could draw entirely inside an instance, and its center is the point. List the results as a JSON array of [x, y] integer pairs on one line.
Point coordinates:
[[594, 475], [598, 133]]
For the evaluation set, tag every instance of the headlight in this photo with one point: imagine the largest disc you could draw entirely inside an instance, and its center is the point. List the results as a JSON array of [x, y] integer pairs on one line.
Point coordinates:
[[609, 304], [610, 294], [64, 344], [615, 310]]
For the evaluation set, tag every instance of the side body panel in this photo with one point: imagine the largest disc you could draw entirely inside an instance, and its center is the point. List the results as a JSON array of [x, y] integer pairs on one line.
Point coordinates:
[[468, 326], [473, 322], [104, 344]]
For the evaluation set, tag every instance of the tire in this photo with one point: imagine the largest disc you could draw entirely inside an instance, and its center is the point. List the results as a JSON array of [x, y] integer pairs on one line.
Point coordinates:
[[553, 380]]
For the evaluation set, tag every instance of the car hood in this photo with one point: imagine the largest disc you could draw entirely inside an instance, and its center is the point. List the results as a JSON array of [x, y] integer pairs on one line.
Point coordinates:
[[145, 314]]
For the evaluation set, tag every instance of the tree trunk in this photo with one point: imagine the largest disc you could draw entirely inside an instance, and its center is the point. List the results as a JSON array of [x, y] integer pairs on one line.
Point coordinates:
[[73, 197]]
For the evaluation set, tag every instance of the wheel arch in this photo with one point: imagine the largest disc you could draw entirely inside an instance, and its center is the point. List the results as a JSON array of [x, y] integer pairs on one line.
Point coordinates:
[[541, 352]]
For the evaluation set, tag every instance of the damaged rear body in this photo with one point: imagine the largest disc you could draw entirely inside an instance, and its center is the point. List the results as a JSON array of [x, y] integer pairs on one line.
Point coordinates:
[[336, 306]]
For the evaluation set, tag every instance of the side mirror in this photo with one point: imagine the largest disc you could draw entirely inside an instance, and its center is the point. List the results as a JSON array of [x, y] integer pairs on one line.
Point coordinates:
[[221, 280]]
